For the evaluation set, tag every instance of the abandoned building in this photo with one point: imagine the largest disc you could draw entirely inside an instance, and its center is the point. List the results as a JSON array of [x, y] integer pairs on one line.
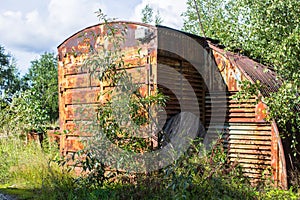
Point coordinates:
[[157, 56]]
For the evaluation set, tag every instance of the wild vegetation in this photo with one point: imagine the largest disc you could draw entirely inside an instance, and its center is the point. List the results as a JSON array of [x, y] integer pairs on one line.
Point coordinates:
[[30, 171], [33, 173], [28, 103], [148, 17], [267, 31]]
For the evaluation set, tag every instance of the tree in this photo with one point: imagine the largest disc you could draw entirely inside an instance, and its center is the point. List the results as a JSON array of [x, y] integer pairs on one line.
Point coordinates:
[[157, 18], [42, 82], [147, 16], [147, 13], [28, 104], [23, 114], [9, 77], [266, 30]]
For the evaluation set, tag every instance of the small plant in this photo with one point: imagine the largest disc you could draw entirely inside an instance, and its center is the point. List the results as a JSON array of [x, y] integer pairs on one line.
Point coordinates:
[[122, 114], [273, 193], [208, 174]]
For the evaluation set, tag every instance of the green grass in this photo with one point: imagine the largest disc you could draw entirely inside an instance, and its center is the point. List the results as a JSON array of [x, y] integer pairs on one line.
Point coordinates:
[[23, 164], [28, 172], [21, 194]]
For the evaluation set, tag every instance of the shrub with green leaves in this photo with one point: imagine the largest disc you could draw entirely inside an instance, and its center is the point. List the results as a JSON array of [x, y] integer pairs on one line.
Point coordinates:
[[35, 106], [42, 84], [23, 115]]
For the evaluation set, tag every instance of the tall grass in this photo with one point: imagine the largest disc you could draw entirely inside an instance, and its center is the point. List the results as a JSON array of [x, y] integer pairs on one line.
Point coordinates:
[[193, 176], [22, 164], [27, 166]]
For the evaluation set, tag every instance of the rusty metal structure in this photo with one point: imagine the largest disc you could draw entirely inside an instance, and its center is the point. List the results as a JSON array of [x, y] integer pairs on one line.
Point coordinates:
[[251, 140], [248, 138]]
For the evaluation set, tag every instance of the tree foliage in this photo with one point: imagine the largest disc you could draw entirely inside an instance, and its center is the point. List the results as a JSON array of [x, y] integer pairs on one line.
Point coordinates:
[[35, 105], [9, 76], [148, 18], [42, 82], [266, 30], [24, 114]]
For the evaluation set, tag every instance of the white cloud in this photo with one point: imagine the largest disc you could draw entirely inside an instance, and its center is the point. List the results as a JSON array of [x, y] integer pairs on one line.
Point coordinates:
[[32, 17], [29, 28], [70, 16], [23, 58], [31, 32], [170, 11], [38, 30]]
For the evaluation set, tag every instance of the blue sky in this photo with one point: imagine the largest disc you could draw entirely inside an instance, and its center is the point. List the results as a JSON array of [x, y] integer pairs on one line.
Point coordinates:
[[32, 27]]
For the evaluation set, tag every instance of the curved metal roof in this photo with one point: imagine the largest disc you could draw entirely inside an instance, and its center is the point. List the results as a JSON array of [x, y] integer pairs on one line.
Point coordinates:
[[253, 70], [113, 22]]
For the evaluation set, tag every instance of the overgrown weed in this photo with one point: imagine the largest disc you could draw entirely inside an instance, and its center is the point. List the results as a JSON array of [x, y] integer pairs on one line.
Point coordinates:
[[194, 175]]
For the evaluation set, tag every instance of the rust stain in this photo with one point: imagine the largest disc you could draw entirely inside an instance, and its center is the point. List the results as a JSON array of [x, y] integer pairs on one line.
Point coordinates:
[[252, 70], [260, 112], [80, 91]]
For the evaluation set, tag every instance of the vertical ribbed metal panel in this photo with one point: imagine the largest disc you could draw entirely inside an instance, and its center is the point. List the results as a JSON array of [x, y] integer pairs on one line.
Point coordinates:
[[182, 70]]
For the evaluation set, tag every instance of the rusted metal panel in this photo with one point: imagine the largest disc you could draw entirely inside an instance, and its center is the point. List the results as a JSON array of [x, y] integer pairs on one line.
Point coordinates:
[[251, 151], [278, 158], [253, 148], [246, 69], [79, 89], [231, 74], [79, 112], [250, 140], [80, 81], [81, 95], [260, 112], [70, 143]]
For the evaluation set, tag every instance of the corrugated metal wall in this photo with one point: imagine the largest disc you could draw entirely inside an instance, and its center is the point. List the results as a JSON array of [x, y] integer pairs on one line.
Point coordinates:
[[247, 141], [248, 138], [183, 101]]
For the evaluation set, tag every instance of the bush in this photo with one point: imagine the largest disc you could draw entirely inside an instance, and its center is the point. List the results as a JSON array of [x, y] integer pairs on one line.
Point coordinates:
[[273, 193], [196, 173]]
